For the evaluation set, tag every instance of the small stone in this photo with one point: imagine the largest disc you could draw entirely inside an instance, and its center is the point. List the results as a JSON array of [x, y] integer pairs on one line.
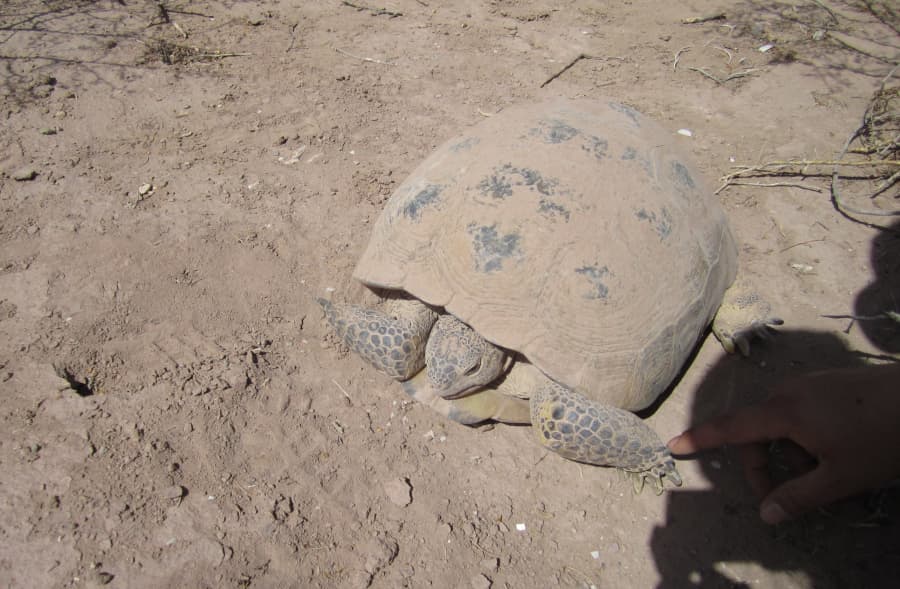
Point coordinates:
[[491, 565], [481, 582], [381, 553], [173, 492], [399, 491], [25, 174], [49, 131], [96, 578], [104, 578], [42, 91]]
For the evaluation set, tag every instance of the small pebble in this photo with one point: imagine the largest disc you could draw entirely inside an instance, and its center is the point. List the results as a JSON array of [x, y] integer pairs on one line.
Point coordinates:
[[25, 174], [686, 132], [399, 491], [173, 492], [520, 527]]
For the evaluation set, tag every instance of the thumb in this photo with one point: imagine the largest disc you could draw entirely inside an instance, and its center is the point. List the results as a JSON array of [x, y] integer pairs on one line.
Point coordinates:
[[799, 495]]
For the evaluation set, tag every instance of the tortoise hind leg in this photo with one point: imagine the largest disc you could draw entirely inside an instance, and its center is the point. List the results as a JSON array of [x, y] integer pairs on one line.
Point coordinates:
[[393, 342], [588, 431]]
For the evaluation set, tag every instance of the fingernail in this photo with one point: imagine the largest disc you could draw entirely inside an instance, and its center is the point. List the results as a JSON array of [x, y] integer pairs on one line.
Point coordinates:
[[673, 441], [772, 513]]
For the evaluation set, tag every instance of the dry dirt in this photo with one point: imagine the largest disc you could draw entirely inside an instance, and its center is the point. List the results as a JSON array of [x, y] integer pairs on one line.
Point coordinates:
[[179, 185]]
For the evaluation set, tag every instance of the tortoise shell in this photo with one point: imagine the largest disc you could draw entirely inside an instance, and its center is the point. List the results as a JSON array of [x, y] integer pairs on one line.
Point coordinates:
[[573, 232]]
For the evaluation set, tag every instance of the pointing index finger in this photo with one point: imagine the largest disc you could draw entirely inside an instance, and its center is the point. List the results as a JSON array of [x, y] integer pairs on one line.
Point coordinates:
[[757, 423]]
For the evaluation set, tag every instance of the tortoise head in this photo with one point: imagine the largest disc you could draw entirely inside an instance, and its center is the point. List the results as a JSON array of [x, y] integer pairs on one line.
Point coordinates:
[[458, 360]]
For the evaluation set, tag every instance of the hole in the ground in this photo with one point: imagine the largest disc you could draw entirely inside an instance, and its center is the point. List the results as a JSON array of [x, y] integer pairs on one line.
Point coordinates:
[[79, 385]]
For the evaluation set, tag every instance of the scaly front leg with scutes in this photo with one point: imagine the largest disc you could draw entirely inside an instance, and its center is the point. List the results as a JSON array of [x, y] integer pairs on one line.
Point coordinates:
[[394, 342]]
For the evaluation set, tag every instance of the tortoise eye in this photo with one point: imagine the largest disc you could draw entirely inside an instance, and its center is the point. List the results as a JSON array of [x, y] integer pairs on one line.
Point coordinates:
[[474, 369]]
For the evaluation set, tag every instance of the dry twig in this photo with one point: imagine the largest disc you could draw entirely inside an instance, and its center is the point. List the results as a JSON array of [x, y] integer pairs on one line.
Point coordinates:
[[678, 56], [578, 58], [718, 80], [778, 185], [867, 124], [695, 20], [826, 9], [369, 59], [374, 11], [346, 394], [807, 242]]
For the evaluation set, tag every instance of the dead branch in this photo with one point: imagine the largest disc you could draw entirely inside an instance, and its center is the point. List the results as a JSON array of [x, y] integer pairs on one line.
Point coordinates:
[[826, 9], [778, 185], [373, 11], [720, 81], [695, 20], [368, 59], [678, 56], [843, 208], [578, 58]]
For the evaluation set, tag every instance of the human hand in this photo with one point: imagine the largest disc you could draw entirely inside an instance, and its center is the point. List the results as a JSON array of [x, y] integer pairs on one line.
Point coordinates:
[[847, 420]]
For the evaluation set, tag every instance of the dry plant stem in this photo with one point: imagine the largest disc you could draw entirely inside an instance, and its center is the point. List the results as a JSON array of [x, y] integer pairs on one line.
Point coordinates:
[[891, 316], [221, 55], [894, 178], [807, 242], [805, 163], [726, 52], [889, 21], [340, 388], [374, 11], [717, 80], [844, 209], [776, 185], [826, 9], [369, 59], [695, 20], [778, 168], [858, 50], [678, 56], [162, 13], [578, 58], [179, 29]]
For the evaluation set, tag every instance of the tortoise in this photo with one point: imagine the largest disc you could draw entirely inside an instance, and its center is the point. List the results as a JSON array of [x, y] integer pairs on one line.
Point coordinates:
[[555, 265]]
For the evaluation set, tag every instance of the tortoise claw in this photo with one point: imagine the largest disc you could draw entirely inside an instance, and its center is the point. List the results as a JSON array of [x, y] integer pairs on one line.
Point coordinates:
[[761, 329], [656, 477]]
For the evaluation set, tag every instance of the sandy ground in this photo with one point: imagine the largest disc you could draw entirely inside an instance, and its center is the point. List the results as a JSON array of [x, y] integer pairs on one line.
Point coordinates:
[[179, 185]]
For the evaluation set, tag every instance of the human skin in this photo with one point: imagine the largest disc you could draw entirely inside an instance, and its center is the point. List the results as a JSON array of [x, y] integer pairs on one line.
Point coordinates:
[[848, 421]]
